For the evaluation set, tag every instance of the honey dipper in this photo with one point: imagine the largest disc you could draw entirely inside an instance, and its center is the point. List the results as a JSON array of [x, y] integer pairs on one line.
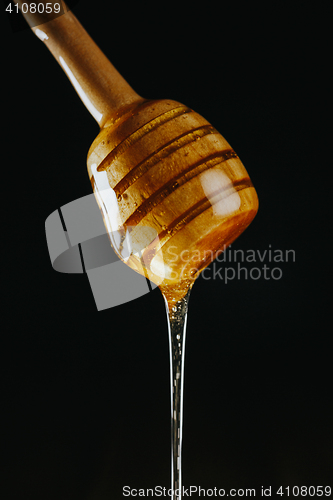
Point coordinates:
[[172, 191], [168, 184]]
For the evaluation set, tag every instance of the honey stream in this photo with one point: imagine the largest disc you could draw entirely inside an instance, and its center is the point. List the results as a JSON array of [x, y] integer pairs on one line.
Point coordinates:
[[177, 319]]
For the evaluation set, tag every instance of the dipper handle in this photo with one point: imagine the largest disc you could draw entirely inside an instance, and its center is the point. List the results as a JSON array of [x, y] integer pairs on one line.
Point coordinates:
[[101, 88]]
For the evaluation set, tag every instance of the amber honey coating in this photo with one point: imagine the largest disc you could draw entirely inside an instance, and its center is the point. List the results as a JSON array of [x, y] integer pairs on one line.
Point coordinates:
[[173, 173]]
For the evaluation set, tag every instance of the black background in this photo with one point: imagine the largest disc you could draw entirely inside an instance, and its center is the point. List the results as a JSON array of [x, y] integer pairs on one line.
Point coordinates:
[[86, 393]]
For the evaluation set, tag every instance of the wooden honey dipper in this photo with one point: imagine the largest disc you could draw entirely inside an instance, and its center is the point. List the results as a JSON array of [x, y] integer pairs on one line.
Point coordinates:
[[172, 192], [161, 173]]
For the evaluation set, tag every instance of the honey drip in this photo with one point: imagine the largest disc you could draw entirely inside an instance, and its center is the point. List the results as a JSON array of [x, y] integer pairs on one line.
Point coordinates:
[[170, 202], [177, 316]]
